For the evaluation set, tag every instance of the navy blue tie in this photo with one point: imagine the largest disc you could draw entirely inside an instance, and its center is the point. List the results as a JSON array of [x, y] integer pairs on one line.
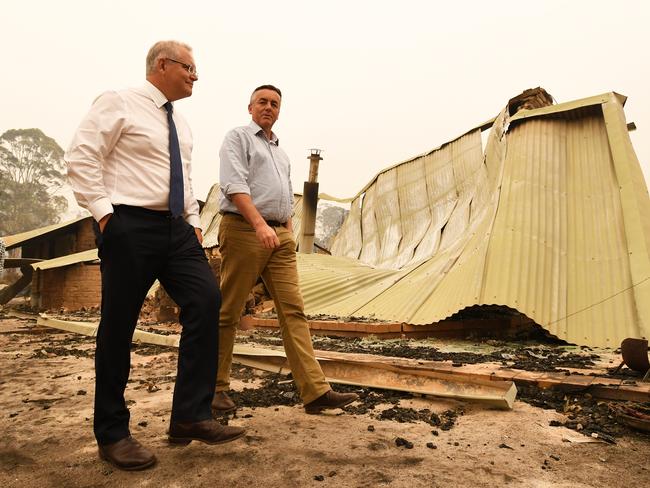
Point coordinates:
[[176, 193]]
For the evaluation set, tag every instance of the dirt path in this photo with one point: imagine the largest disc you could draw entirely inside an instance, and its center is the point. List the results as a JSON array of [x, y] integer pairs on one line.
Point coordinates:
[[46, 388]]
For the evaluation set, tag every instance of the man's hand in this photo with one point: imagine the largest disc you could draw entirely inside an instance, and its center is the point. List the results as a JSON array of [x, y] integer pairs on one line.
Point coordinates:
[[267, 236], [199, 235], [103, 221]]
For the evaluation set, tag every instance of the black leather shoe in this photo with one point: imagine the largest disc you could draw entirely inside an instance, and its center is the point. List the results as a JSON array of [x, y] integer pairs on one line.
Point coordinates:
[[330, 400], [127, 454], [222, 403], [209, 431]]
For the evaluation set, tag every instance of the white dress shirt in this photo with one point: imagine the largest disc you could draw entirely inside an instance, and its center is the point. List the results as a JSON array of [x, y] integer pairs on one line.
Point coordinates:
[[120, 154], [252, 164]]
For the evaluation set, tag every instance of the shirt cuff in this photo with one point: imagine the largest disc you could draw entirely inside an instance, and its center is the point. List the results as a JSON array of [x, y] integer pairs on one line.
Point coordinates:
[[100, 208], [236, 188], [194, 221]]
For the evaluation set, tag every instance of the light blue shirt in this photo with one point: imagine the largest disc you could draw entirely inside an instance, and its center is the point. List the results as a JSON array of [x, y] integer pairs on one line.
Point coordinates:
[[252, 164]]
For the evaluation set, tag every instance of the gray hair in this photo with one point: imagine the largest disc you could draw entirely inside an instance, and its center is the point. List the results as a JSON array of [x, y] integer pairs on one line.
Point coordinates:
[[163, 49]]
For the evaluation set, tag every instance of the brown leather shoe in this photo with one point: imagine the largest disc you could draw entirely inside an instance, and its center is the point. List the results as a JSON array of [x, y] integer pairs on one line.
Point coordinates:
[[209, 431], [127, 454], [222, 403], [330, 400]]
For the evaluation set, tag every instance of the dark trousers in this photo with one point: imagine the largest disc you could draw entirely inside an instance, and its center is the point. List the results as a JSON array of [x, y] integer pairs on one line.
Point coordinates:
[[137, 247]]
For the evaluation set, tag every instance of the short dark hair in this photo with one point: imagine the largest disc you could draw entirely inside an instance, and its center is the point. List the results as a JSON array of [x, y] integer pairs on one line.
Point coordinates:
[[267, 87]]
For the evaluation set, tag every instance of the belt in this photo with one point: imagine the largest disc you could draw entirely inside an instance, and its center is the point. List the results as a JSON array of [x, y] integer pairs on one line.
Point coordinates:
[[143, 211], [270, 223], [275, 223]]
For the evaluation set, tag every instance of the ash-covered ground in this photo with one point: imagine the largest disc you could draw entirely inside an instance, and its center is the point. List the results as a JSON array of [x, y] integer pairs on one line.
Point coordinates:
[[387, 438]]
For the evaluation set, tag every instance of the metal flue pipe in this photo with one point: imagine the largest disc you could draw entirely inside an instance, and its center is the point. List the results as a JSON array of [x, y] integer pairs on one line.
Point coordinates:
[[310, 204]]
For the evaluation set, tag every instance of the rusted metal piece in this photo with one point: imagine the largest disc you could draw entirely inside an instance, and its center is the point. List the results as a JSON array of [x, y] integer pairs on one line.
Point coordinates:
[[635, 354], [637, 418]]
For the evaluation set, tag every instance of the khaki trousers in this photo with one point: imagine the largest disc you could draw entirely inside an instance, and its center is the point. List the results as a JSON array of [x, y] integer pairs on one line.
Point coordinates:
[[243, 260]]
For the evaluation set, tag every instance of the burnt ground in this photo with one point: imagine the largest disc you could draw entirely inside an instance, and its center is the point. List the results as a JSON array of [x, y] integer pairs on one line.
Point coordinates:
[[275, 390], [584, 414], [387, 438], [591, 417]]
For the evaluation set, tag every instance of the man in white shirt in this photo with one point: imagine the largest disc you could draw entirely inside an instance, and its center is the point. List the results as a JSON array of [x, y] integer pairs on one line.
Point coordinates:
[[129, 165]]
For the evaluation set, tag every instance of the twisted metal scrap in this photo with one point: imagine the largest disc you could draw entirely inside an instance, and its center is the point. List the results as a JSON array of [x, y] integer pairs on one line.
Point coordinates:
[[3, 251]]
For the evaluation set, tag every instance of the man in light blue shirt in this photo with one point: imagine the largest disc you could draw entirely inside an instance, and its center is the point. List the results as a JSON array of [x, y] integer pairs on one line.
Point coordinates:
[[256, 239]]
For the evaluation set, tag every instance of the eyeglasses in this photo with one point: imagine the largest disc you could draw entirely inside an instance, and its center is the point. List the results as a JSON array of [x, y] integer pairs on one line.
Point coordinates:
[[190, 69]]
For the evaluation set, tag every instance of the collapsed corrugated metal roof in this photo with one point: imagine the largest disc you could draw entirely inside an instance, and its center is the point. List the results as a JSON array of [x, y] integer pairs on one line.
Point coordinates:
[[553, 221]]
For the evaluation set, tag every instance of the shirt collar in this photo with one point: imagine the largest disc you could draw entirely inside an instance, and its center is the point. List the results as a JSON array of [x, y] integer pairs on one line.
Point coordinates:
[[154, 93], [256, 129]]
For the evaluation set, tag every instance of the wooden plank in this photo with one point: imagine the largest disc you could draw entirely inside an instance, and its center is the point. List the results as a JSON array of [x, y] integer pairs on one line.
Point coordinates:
[[622, 392], [578, 381], [390, 376]]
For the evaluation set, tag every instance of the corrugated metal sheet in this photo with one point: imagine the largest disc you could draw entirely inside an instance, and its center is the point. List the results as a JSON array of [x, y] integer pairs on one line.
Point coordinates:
[[406, 207], [351, 245], [20, 239], [636, 208], [296, 219], [210, 218], [554, 221], [340, 286], [560, 221], [88, 256]]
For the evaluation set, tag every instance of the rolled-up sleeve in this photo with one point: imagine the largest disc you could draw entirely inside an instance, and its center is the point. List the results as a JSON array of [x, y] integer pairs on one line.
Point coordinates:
[[95, 138], [234, 165]]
